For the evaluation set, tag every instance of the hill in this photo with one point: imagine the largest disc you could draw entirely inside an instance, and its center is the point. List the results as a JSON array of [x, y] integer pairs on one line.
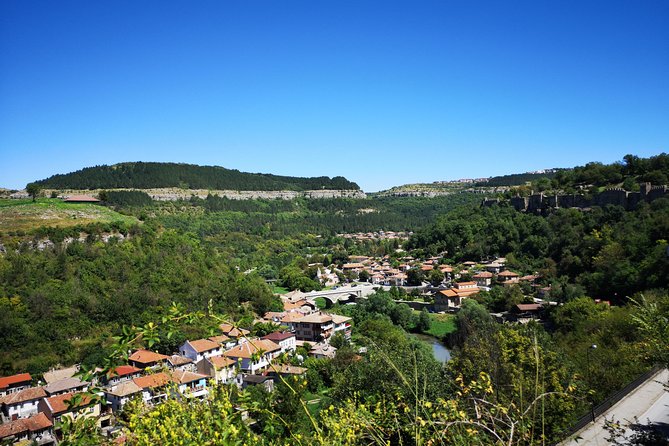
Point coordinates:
[[148, 175], [25, 215]]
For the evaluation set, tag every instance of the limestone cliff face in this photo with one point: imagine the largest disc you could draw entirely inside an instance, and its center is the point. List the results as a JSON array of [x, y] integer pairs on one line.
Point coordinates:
[[173, 194]]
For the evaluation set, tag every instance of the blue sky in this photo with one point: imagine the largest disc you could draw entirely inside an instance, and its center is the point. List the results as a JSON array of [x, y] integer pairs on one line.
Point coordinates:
[[382, 92]]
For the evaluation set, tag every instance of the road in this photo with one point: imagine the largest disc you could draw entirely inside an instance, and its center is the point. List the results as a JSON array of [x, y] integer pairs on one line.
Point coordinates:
[[649, 401]]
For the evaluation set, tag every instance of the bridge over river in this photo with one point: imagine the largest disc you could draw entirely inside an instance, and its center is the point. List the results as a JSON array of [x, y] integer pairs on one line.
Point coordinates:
[[344, 294]]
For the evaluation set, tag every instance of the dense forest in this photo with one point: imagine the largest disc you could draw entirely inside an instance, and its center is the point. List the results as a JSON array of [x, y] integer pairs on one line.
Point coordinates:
[[519, 384], [149, 175]]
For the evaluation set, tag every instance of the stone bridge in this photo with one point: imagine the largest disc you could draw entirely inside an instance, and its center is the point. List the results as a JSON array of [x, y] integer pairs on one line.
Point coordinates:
[[341, 295]]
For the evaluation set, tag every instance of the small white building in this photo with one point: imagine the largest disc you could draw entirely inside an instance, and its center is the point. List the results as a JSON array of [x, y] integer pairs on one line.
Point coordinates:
[[284, 340], [21, 404], [200, 349], [254, 355], [119, 395]]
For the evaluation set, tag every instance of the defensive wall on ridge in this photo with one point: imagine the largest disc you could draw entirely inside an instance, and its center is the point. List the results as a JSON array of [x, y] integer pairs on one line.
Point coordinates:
[[540, 202]]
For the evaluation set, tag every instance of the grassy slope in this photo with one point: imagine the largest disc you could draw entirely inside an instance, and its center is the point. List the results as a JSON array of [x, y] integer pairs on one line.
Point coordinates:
[[442, 324], [25, 215]]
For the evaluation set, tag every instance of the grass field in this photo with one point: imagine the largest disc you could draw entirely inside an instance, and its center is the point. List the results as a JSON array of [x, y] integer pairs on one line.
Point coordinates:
[[279, 290], [24, 215], [442, 324]]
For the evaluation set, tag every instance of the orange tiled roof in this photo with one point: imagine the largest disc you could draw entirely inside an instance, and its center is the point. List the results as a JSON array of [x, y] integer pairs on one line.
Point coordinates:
[[150, 381], [247, 349], [33, 424], [220, 362], [146, 356], [204, 345], [60, 403], [14, 379]]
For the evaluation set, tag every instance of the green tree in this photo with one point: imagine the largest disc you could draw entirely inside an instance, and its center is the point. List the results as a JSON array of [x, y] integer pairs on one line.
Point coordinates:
[[33, 190]]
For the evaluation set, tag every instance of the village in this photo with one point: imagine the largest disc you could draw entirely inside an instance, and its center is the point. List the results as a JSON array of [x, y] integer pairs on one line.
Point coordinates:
[[32, 409]]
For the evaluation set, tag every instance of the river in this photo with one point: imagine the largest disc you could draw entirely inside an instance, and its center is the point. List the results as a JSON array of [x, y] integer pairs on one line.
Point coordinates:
[[439, 350]]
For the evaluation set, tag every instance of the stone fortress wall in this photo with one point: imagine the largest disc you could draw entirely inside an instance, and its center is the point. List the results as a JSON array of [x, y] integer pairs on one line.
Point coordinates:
[[540, 202]]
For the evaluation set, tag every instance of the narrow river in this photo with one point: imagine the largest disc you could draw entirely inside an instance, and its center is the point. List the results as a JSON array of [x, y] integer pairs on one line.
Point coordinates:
[[439, 350]]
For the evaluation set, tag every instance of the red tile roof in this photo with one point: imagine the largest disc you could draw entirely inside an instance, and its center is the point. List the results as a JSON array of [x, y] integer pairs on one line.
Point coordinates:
[[249, 348], [146, 357], [220, 362], [204, 345], [18, 427], [150, 381], [61, 403], [277, 336], [123, 370], [21, 378]]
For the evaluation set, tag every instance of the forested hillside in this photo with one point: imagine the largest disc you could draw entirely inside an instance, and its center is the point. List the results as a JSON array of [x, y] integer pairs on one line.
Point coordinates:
[[146, 175]]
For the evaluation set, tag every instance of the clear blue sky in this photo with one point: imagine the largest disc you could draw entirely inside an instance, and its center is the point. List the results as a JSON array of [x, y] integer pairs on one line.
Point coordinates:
[[382, 92]]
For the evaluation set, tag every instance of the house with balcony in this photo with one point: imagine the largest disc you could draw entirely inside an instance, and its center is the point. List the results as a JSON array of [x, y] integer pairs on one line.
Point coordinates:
[[342, 324], [154, 387], [14, 383], [34, 430], [189, 384], [314, 327], [255, 355]]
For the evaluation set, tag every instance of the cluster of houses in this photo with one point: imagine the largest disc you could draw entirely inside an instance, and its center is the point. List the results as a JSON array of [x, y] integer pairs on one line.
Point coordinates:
[[377, 235], [31, 413]]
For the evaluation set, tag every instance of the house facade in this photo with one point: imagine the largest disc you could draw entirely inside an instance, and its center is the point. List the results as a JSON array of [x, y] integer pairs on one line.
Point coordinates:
[[21, 404], [14, 383], [200, 349]]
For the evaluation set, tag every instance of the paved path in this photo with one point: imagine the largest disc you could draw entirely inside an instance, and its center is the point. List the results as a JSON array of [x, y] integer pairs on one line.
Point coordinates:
[[648, 401]]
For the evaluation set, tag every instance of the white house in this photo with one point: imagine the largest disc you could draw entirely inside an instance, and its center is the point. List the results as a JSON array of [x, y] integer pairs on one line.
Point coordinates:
[[21, 404], [118, 395], [285, 340], [154, 387], [178, 362], [14, 383], [254, 355], [200, 349]]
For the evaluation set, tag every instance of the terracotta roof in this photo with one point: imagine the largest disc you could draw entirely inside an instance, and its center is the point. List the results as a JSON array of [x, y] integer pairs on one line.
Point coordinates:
[[150, 381], [232, 331], [528, 307], [278, 336], [353, 265], [426, 268], [507, 274], [292, 317], [448, 293], [60, 403], [29, 394], [177, 360], [18, 427], [316, 318], [247, 349], [125, 389], [204, 345], [220, 339], [15, 379], [482, 275], [123, 370], [221, 362], [146, 357], [185, 377]]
